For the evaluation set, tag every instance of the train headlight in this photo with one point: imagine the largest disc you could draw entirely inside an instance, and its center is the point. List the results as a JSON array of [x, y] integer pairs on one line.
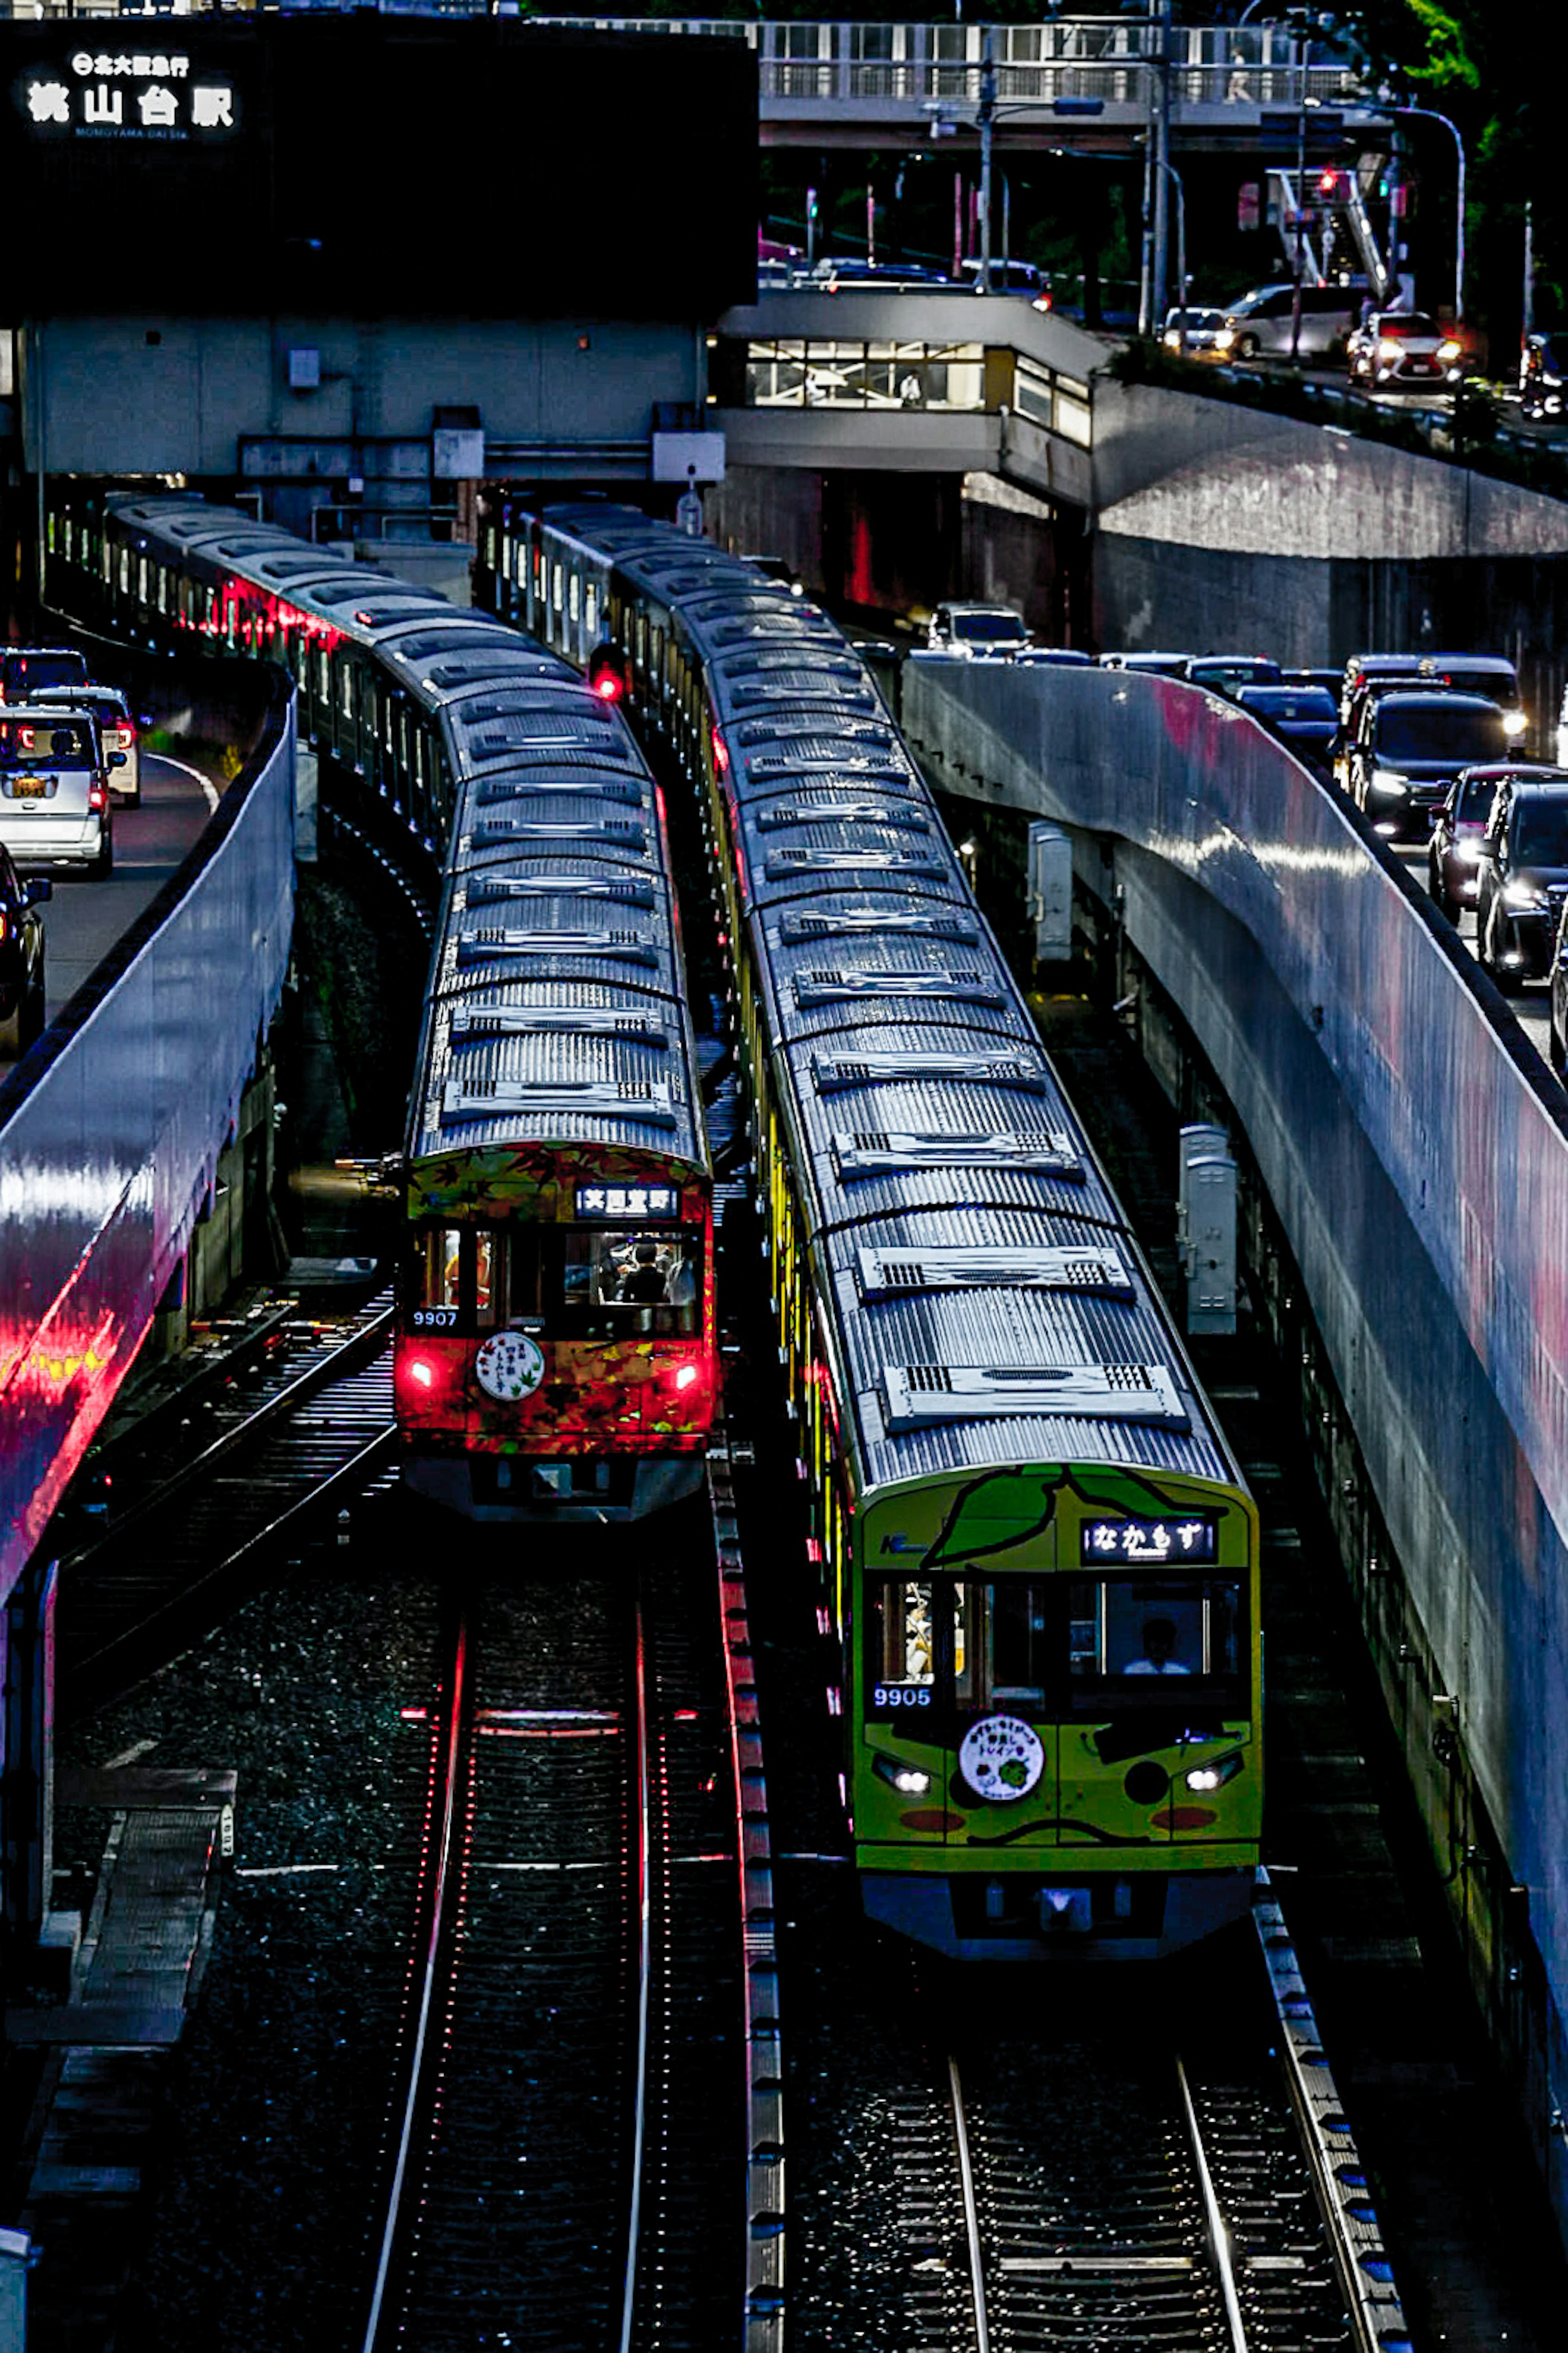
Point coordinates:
[[1213, 1776], [1514, 724], [686, 1377], [909, 1781], [419, 1373]]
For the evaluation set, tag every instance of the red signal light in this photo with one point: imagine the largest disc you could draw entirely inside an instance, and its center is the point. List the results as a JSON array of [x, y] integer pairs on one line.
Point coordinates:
[[607, 673], [1328, 184]]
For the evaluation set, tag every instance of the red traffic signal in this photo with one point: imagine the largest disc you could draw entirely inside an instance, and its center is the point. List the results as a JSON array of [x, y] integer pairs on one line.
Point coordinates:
[[607, 673], [1328, 184]]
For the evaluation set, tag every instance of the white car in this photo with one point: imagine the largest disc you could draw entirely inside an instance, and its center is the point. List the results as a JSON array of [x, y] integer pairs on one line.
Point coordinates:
[[1405, 347], [1203, 329], [978, 632], [116, 726]]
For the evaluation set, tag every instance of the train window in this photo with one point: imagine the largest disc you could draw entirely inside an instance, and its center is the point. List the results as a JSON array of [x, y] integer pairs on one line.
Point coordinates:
[[591, 610], [556, 577], [572, 588], [437, 1278], [346, 688], [125, 572], [1130, 1636], [900, 1645], [611, 1285], [1004, 1636]]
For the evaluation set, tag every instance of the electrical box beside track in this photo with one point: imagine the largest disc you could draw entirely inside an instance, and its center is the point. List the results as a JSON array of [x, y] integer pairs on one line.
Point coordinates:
[[1050, 893], [1206, 1228]]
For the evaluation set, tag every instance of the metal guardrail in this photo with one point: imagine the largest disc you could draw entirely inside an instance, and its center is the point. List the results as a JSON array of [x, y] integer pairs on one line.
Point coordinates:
[[111, 1126]]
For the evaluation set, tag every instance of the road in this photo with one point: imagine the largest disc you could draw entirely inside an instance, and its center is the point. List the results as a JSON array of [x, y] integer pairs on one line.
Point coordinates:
[[83, 920]]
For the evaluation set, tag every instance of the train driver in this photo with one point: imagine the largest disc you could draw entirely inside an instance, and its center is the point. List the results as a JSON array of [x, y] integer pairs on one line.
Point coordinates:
[[1158, 1650], [643, 1283]]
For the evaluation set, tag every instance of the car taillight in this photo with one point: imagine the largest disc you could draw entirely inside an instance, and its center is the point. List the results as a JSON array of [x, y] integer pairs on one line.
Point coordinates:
[[4, 925], [125, 738], [97, 798]]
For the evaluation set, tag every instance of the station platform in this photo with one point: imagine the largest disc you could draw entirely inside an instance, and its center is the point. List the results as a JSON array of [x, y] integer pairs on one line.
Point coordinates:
[[95, 2057]]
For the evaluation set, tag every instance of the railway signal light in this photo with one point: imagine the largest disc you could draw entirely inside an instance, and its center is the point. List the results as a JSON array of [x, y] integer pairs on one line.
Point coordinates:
[[606, 674]]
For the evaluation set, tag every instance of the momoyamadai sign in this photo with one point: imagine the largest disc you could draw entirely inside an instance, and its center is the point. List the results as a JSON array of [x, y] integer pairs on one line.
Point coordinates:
[[129, 94], [365, 165]]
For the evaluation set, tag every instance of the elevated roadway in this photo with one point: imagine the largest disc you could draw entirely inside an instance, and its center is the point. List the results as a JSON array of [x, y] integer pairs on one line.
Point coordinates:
[[83, 920]]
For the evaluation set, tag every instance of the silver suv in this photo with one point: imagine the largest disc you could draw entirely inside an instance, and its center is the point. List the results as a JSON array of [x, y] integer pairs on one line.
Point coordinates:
[[54, 789], [983, 632]]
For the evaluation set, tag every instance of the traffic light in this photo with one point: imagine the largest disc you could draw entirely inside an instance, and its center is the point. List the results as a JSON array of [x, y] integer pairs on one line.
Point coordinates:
[[607, 673], [1328, 184]]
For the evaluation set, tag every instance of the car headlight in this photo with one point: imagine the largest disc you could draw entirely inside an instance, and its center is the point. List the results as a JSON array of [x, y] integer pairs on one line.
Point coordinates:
[[1450, 351], [1525, 898], [1223, 340], [1513, 724], [1389, 782], [1467, 851], [1388, 350], [909, 1781], [1214, 1775]]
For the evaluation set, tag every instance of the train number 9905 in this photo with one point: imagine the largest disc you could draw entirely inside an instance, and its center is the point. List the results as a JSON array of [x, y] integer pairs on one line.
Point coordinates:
[[435, 1319], [900, 1696]]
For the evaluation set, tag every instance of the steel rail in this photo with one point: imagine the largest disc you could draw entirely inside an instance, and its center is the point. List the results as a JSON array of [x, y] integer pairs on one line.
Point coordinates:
[[92, 1674], [360, 1347], [1217, 2227], [645, 1967], [432, 1975], [971, 2210]]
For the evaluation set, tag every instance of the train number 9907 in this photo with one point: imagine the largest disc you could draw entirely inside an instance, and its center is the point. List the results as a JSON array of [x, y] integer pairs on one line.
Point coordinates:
[[435, 1319], [900, 1696]]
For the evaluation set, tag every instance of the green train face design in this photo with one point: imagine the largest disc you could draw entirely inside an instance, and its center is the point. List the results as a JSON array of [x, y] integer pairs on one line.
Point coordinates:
[[1053, 1673]]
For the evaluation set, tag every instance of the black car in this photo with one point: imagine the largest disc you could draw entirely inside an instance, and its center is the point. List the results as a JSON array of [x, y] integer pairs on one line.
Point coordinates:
[[1307, 718], [1454, 852], [21, 957], [1523, 875], [1408, 747], [1228, 673]]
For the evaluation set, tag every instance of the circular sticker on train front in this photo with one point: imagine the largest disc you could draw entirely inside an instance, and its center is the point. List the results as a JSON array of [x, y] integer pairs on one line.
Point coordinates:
[[1002, 1757], [509, 1366]]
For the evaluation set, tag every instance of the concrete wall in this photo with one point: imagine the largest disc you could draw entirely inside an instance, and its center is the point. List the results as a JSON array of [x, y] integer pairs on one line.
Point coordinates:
[[143, 394], [1212, 474], [1416, 1156]]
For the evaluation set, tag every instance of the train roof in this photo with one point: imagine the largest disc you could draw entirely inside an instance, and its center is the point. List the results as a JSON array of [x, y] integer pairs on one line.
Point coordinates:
[[987, 1302]]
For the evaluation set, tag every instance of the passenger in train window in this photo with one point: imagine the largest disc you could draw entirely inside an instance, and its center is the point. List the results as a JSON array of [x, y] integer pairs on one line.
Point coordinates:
[[1158, 1650]]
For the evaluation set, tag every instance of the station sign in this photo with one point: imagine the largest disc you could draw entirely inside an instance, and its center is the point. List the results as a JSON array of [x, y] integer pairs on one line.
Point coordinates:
[[142, 93]]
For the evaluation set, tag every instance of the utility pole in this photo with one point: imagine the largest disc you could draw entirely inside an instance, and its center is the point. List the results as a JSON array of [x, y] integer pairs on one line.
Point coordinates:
[[1301, 214], [1162, 194], [987, 119]]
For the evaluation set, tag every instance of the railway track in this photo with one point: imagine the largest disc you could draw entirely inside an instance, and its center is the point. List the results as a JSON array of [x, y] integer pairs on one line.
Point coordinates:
[[1109, 2188], [208, 1487], [558, 2169]]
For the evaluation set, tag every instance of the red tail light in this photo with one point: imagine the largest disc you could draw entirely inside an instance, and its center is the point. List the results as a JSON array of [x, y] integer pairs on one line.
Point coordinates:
[[97, 798], [721, 753]]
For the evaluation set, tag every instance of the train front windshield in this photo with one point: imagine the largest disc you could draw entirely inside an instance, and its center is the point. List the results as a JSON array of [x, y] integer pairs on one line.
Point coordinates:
[[566, 1283], [1085, 1647]]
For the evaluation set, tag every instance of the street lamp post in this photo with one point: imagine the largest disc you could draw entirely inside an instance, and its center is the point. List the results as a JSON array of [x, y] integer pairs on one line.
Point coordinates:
[[1430, 114]]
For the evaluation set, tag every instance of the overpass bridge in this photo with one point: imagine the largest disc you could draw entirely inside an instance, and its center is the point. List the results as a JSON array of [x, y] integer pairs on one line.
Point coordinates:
[[853, 84]]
